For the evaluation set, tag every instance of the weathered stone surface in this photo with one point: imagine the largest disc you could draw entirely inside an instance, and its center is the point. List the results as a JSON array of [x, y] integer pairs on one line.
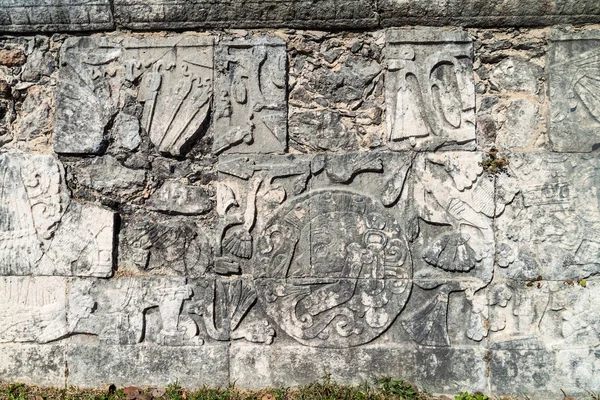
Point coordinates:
[[250, 96], [106, 173], [33, 364], [544, 374], [177, 198], [42, 231], [518, 75], [126, 132], [437, 369], [86, 94], [171, 77], [174, 14], [550, 213], [430, 93], [336, 91], [494, 13], [357, 250], [574, 68], [92, 365], [520, 126], [176, 87], [51, 16], [164, 246]]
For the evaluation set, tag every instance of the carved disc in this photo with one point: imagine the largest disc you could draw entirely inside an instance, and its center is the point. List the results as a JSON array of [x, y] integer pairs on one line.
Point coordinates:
[[333, 268]]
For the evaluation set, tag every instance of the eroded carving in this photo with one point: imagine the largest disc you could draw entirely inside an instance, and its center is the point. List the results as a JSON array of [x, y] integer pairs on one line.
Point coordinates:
[[86, 94], [175, 88], [453, 242], [430, 95], [250, 96], [334, 268], [164, 246], [42, 232], [552, 217], [574, 76]]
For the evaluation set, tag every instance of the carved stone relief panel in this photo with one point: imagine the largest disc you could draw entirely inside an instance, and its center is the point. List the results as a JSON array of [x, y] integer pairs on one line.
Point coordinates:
[[169, 311], [551, 220], [87, 93], [32, 309], [175, 87], [453, 239], [250, 96], [43, 232], [430, 92], [170, 78], [574, 73], [40, 309], [335, 242], [163, 245]]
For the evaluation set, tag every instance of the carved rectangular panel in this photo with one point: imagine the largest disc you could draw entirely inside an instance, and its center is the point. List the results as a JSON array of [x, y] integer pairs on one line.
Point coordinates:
[[430, 93], [176, 81], [33, 309], [550, 222], [170, 78], [574, 76], [49, 16], [44, 232], [250, 96]]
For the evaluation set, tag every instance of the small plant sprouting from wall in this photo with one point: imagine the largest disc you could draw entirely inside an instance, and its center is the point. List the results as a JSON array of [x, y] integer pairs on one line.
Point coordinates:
[[494, 163]]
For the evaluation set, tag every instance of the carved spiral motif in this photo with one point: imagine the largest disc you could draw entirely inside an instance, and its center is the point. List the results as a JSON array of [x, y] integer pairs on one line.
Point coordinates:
[[333, 268]]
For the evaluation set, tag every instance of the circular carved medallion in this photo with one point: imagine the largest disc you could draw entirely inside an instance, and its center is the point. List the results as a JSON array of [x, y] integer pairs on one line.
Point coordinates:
[[333, 268]]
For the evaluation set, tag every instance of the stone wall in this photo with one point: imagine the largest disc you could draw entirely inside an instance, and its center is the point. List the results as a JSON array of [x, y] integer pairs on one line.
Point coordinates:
[[261, 206]]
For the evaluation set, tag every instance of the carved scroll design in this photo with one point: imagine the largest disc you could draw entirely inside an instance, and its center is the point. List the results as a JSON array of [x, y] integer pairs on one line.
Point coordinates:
[[333, 268]]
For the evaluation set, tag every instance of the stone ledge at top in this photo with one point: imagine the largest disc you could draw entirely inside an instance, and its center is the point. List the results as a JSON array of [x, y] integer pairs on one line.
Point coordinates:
[[349, 14], [96, 15], [55, 15]]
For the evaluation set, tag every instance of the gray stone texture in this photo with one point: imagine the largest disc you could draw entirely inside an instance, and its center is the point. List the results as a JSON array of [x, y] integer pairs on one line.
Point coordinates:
[[258, 207], [574, 67], [55, 15], [430, 93]]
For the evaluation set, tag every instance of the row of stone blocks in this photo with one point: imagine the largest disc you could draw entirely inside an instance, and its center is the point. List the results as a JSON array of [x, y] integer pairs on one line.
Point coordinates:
[[418, 259], [90, 15]]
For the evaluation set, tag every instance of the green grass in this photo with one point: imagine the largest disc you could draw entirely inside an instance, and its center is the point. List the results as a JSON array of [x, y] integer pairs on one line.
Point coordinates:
[[327, 389]]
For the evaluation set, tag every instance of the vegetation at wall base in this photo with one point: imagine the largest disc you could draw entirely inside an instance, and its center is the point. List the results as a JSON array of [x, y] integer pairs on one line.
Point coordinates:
[[384, 388]]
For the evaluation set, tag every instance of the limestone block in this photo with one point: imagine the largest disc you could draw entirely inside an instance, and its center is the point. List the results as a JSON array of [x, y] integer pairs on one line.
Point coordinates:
[[32, 364], [430, 91], [439, 370], [51, 16], [92, 365], [176, 87], [170, 77], [544, 374], [33, 309], [160, 245], [250, 96], [550, 217], [177, 198], [107, 174], [494, 13], [452, 239], [86, 94], [174, 14], [43, 232], [574, 68]]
